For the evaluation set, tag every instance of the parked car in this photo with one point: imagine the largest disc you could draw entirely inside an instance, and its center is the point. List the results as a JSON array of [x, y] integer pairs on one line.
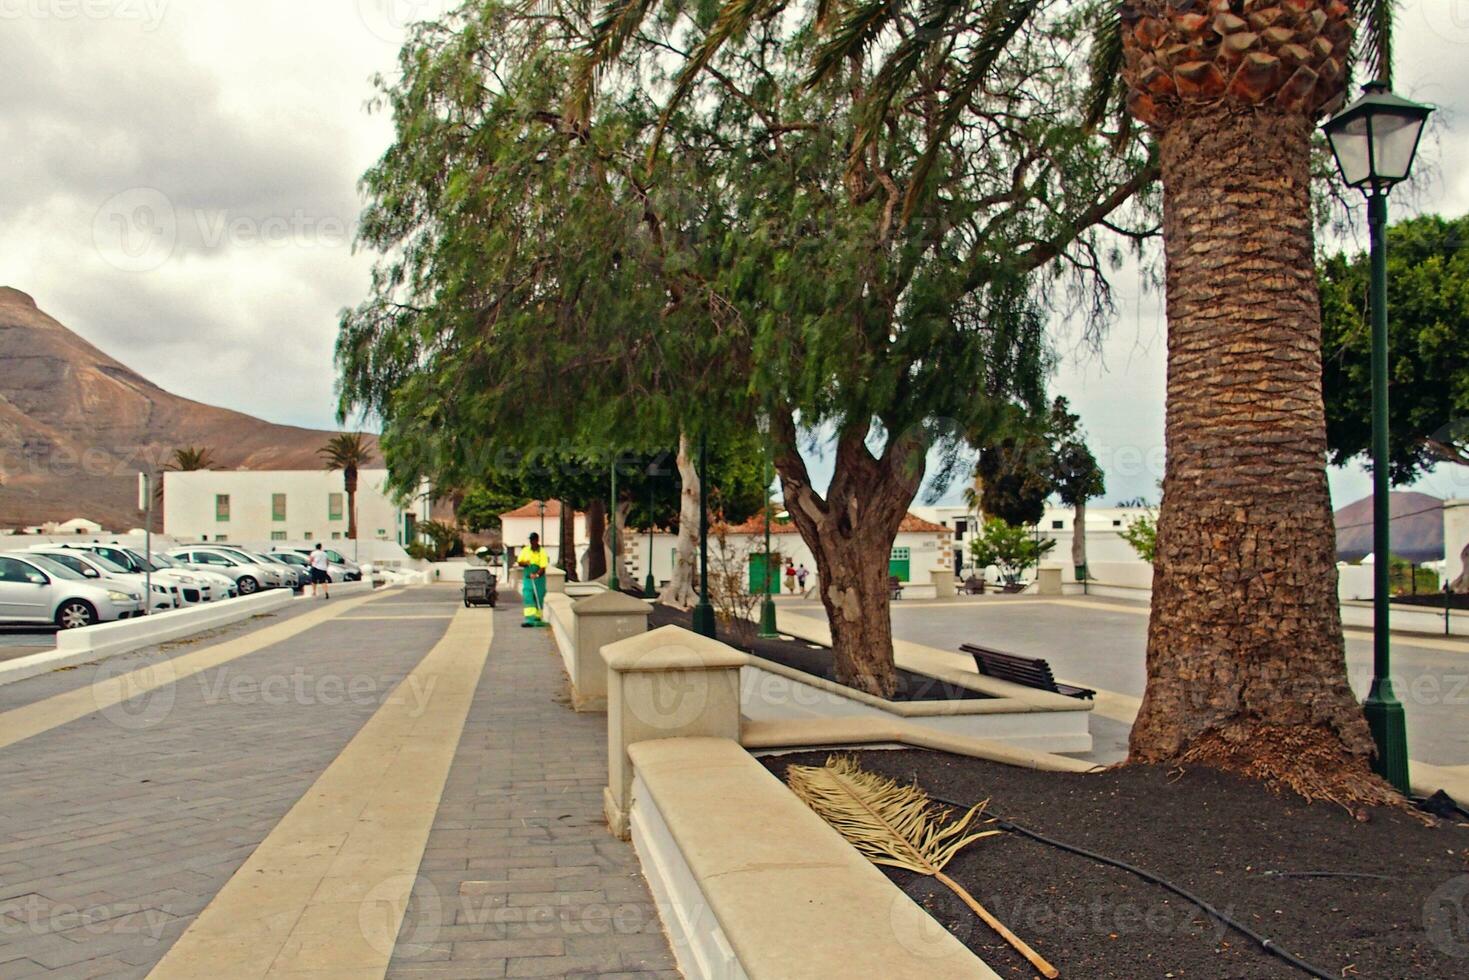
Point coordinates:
[[295, 578], [93, 566], [192, 588], [222, 585], [249, 577], [35, 589], [275, 577], [340, 567]]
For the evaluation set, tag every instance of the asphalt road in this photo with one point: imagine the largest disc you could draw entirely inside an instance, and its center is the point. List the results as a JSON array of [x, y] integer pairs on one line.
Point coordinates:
[[1101, 643]]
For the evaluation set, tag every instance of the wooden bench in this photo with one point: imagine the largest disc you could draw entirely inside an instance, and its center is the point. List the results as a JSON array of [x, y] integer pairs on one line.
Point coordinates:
[[974, 585], [895, 587], [1029, 671]]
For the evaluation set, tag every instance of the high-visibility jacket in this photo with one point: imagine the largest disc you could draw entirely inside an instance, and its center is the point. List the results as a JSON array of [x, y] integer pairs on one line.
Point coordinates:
[[535, 557]]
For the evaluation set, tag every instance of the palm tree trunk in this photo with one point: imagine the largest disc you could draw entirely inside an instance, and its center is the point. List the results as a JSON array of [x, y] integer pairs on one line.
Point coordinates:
[[349, 478], [1246, 664]]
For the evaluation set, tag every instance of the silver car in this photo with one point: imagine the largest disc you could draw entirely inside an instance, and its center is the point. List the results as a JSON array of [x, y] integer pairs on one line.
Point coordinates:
[[35, 589], [249, 577], [192, 589], [107, 572]]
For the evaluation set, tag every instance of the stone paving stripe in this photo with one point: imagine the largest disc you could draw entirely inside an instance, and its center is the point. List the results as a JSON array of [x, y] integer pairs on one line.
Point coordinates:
[[324, 894], [380, 619], [33, 719]]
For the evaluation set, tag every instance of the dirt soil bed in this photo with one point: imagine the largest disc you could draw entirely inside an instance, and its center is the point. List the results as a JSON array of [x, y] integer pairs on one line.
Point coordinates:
[[812, 658], [1388, 898]]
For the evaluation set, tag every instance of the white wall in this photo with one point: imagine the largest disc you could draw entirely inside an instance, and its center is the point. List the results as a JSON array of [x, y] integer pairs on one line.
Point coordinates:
[[1104, 542], [1455, 536], [515, 532], [189, 506]]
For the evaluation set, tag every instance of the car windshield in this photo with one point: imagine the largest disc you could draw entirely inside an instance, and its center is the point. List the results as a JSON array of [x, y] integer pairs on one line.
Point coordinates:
[[163, 561], [290, 559], [336, 558], [107, 564], [54, 567], [75, 564], [143, 563]]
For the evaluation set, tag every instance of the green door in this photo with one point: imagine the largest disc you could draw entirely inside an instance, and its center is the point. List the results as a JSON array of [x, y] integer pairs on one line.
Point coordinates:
[[900, 564], [759, 563]]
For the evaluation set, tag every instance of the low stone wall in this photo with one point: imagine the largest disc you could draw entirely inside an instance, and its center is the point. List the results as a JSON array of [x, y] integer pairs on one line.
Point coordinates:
[[751, 883], [110, 639]]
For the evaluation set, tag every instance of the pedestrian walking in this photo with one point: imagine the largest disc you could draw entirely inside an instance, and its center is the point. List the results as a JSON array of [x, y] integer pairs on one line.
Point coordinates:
[[320, 572], [801, 574], [790, 577]]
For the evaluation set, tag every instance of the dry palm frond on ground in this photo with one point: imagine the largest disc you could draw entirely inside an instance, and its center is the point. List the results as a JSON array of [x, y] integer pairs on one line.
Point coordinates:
[[899, 826]]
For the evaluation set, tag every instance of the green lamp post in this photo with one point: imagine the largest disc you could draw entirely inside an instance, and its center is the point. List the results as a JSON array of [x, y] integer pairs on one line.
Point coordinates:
[[613, 583], [1374, 141], [767, 605], [704, 611], [650, 584]]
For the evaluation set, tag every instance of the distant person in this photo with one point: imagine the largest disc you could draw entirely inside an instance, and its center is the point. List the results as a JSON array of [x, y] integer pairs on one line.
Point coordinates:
[[535, 561], [801, 574], [320, 572], [790, 577]]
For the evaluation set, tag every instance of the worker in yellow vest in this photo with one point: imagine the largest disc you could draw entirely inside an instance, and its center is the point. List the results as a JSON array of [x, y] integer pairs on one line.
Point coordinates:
[[534, 561]]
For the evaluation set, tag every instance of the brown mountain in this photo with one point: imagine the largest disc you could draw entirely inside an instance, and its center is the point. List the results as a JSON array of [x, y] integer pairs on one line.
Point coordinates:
[[76, 427]]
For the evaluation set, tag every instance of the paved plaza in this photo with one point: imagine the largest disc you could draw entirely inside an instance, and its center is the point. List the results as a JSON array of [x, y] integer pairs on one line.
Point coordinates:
[[387, 784]]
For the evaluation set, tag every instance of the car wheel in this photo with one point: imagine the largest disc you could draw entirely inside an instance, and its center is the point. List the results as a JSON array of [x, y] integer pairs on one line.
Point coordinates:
[[75, 614], [248, 585]]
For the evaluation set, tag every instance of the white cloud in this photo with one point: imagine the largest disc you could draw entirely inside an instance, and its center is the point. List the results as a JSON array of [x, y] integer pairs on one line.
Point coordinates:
[[240, 131]]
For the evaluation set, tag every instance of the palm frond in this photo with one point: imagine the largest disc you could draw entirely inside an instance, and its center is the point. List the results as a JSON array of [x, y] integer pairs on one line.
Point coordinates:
[[734, 19], [852, 36], [897, 825], [890, 823], [619, 21], [1375, 30], [1105, 88]]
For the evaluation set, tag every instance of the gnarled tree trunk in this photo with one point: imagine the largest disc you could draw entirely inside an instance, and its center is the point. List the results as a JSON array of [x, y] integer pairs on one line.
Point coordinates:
[[596, 539], [850, 532], [680, 591], [625, 577], [567, 546], [1246, 665]]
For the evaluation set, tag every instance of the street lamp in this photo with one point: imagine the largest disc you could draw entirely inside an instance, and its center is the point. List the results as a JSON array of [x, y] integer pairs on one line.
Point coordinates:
[[542, 505], [613, 583], [767, 605], [1374, 141], [704, 611], [650, 584]]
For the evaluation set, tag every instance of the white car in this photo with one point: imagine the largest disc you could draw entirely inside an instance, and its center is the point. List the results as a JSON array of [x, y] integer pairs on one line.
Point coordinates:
[[221, 586], [191, 589], [91, 565], [248, 577], [35, 589]]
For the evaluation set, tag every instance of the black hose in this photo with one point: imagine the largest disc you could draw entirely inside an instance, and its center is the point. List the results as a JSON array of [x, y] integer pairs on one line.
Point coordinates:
[[1264, 942]]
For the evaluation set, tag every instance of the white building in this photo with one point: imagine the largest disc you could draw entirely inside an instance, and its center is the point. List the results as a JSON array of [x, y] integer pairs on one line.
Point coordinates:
[[77, 525], [1105, 545], [283, 506]]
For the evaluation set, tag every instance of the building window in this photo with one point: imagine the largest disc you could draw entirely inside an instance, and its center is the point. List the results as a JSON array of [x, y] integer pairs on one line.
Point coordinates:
[[277, 535], [277, 506], [382, 533], [336, 535], [1058, 525], [334, 506], [1116, 523], [308, 535], [221, 538], [221, 507]]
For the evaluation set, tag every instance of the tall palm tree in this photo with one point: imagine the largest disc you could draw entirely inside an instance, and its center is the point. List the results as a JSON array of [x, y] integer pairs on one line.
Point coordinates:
[[348, 452], [187, 459], [1246, 662]]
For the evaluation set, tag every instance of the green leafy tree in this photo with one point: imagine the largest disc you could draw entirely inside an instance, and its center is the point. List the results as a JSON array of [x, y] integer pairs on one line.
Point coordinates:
[[1015, 478], [1142, 534], [1074, 472], [1009, 547], [686, 233], [1428, 355], [481, 507]]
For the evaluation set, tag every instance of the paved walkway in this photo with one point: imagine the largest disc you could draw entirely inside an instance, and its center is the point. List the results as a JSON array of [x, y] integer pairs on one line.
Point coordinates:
[[313, 786]]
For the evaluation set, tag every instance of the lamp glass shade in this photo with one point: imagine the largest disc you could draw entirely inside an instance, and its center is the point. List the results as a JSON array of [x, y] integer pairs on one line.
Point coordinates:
[[1375, 139]]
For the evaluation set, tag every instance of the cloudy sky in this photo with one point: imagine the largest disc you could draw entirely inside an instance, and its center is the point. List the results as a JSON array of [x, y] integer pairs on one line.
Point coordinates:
[[180, 188]]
